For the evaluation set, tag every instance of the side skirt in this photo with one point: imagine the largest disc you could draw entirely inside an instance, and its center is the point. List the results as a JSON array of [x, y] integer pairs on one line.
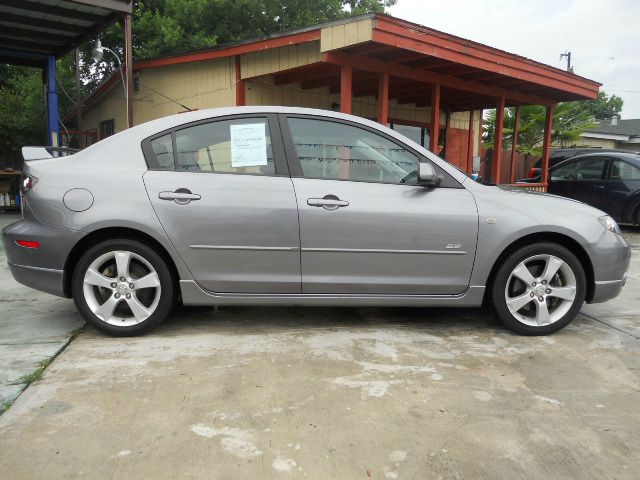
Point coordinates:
[[193, 294]]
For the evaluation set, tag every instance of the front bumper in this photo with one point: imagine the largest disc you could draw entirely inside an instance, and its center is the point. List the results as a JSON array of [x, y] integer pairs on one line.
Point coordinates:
[[606, 290], [610, 256], [40, 268]]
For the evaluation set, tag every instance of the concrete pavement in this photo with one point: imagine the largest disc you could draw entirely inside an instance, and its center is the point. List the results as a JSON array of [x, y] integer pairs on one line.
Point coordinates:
[[321, 393], [34, 327]]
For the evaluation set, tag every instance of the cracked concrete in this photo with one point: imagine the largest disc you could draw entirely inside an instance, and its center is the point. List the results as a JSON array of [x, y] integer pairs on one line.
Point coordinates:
[[317, 393]]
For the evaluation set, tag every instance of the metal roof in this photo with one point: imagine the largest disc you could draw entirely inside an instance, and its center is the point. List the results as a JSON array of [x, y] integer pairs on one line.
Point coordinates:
[[53, 27]]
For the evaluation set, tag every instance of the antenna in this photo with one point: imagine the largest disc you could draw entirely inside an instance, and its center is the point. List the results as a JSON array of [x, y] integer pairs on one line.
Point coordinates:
[[568, 55]]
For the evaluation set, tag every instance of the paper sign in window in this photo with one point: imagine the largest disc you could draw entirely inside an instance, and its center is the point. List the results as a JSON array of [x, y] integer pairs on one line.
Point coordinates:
[[248, 145]]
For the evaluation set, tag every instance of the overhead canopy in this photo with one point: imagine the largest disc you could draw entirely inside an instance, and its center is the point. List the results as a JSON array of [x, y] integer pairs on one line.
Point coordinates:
[[38, 28]]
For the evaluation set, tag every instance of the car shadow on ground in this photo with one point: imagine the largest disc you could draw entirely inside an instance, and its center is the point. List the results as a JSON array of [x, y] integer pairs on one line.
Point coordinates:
[[266, 320]]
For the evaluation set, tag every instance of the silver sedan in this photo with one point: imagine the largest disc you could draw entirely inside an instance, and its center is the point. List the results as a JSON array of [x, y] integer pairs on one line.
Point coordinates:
[[291, 206]]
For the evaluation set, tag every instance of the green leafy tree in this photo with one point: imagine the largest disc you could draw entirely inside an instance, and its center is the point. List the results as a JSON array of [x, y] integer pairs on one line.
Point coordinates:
[[159, 27]]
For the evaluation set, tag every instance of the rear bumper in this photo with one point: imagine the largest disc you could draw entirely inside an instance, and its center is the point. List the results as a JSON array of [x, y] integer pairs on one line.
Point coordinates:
[[40, 268], [44, 279]]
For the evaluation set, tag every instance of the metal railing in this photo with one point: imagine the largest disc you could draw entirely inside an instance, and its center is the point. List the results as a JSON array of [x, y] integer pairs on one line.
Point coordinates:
[[536, 187]]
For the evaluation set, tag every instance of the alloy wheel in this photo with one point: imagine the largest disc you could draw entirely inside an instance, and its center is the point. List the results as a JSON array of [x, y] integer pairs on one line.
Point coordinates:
[[121, 288], [540, 290]]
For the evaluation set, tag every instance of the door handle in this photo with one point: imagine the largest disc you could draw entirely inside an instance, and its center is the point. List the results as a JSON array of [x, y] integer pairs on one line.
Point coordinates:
[[598, 187], [181, 196], [329, 202]]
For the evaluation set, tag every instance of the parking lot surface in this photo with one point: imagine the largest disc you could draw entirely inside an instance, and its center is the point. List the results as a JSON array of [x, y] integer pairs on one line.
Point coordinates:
[[340, 393]]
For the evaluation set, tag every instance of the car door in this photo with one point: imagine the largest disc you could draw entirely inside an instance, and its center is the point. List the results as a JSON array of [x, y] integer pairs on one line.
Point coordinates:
[[623, 187], [222, 192], [582, 179], [366, 227]]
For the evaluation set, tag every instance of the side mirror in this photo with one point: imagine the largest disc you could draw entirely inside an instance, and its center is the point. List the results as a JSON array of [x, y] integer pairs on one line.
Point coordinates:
[[427, 175]]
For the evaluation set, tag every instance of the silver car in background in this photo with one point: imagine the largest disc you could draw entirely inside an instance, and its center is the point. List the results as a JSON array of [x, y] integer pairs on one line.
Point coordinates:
[[291, 206]]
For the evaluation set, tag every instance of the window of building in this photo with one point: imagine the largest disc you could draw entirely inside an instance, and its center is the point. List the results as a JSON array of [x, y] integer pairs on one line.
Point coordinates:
[[107, 128]]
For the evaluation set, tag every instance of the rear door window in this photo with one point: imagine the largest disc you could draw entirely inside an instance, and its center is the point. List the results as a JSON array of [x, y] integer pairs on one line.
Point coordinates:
[[588, 168]]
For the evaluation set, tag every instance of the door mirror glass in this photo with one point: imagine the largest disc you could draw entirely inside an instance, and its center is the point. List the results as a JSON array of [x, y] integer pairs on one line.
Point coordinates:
[[427, 174]]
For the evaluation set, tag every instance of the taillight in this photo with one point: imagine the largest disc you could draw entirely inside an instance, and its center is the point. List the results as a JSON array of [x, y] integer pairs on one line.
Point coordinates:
[[28, 243], [26, 183], [532, 173]]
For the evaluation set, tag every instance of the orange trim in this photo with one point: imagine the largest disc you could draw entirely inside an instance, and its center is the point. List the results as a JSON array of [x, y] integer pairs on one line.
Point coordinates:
[[546, 143], [346, 77], [383, 98], [241, 100], [225, 52], [470, 144], [435, 118], [514, 144], [496, 162]]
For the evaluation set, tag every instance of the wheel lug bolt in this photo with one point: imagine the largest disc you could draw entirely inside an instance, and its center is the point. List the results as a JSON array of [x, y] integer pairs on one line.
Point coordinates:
[[131, 285], [122, 279], [548, 290], [532, 295], [117, 295], [533, 284], [128, 296], [540, 299], [114, 285]]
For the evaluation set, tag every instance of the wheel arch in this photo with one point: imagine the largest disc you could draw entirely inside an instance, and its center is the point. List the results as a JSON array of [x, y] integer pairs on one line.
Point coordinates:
[[552, 237], [110, 233]]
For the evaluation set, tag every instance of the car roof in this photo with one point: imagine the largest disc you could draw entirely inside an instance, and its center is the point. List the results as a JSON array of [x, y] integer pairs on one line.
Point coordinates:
[[630, 156]]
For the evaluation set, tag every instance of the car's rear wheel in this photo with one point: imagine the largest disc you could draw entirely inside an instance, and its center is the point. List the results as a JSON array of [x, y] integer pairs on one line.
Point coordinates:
[[123, 287], [538, 289]]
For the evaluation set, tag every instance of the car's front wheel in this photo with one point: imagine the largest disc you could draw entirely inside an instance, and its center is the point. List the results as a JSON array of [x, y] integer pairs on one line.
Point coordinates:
[[123, 287], [538, 289]]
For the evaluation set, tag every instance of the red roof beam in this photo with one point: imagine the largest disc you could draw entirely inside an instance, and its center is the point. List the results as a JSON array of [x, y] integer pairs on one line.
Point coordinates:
[[448, 47], [238, 49], [371, 65]]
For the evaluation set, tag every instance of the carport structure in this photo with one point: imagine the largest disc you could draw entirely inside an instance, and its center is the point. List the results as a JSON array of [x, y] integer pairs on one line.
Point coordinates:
[[36, 32], [394, 59], [373, 65]]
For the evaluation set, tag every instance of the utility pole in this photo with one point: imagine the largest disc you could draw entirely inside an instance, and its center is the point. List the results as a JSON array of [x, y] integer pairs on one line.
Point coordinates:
[[568, 55]]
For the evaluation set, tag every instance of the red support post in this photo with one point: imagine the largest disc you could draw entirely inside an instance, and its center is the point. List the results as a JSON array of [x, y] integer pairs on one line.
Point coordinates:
[[128, 61], [496, 164], [546, 144], [383, 98], [346, 81], [514, 144], [470, 144], [435, 118], [241, 99]]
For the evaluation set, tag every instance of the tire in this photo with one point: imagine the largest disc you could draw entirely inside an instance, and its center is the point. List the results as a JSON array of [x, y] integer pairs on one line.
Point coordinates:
[[123, 308], [530, 300]]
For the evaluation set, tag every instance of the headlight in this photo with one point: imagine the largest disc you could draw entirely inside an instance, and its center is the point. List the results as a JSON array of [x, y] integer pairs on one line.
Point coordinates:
[[610, 224]]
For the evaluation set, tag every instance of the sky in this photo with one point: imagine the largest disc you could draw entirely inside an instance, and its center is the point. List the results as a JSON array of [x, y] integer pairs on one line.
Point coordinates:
[[603, 36]]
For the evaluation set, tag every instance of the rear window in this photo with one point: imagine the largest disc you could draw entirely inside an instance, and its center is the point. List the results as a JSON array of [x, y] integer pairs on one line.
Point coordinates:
[[162, 153]]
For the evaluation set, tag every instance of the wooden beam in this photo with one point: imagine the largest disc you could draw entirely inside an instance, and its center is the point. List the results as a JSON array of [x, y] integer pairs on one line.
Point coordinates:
[[383, 98], [402, 71], [435, 118], [546, 143], [514, 144], [346, 80], [470, 144], [128, 60], [305, 73], [496, 165], [241, 90]]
